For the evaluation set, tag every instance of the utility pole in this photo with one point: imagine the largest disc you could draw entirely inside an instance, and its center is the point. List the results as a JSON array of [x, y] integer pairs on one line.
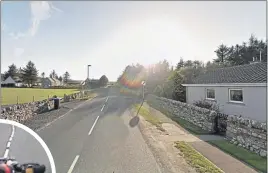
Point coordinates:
[[88, 71]]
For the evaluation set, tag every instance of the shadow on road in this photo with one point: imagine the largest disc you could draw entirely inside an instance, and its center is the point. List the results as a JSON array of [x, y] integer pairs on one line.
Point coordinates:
[[135, 120]]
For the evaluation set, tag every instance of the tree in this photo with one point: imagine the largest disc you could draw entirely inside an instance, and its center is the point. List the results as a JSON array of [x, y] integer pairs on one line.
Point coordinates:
[[60, 79], [103, 80], [66, 77], [188, 63], [222, 53], [53, 74], [29, 74], [43, 75], [12, 72], [180, 64]]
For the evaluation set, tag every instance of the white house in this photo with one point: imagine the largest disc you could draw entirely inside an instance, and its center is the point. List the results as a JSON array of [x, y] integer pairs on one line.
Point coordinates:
[[238, 90]]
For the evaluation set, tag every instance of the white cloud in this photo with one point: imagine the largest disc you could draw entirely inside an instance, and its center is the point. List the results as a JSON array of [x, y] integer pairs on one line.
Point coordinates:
[[17, 35], [18, 52], [41, 10]]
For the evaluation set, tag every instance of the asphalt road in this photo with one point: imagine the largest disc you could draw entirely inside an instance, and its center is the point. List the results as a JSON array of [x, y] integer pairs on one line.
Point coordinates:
[[96, 138], [23, 146]]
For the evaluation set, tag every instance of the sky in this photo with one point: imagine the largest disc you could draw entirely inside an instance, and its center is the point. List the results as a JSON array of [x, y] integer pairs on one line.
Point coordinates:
[[109, 35]]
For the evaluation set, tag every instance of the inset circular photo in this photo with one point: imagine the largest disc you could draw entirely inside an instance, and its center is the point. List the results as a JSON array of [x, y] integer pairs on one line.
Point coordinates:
[[22, 150]]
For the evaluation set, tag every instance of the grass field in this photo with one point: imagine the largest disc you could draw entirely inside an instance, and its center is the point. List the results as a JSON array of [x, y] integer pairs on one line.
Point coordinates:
[[25, 95]]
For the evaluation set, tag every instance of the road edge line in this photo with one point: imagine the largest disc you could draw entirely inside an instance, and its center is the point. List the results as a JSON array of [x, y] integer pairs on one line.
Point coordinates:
[[73, 164]]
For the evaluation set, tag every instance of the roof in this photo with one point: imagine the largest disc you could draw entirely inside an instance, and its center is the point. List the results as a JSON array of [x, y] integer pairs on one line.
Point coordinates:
[[249, 73], [70, 81], [9, 80]]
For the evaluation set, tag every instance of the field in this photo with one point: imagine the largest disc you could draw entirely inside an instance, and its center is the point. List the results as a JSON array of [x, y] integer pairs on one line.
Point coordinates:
[[25, 95]]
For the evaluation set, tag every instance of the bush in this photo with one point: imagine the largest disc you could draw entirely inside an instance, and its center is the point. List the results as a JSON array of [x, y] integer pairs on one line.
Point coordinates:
[[207, 105]]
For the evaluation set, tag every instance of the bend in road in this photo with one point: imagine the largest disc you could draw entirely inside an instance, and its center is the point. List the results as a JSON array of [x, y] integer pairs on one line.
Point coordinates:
[[96, 137]]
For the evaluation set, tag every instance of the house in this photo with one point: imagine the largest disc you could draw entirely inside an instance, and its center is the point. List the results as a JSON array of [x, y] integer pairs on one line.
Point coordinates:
[[74, 82], [50, 82], [9, 82], [239, 90]]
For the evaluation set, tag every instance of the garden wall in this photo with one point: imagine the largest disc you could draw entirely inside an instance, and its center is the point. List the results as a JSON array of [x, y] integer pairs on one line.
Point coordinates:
[[248, 134], [240, 131], [201, 117]]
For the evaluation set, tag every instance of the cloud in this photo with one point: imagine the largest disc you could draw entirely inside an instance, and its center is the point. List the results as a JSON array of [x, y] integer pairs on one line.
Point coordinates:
[[18, 52], [17, 35], [40, 10]]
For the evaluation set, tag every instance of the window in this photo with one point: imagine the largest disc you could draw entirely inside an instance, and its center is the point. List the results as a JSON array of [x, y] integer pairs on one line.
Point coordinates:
[[236, 95], [210, 94]]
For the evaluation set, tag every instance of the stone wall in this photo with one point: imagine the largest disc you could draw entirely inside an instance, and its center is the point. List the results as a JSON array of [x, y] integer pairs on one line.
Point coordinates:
[[201, 117], [246, 133], [22, 112]]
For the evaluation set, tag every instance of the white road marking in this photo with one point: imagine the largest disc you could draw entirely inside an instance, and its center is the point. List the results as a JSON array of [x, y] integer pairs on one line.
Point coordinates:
[[9, 142], [102, 108], [73, 164], [89, 133], [107, 99]]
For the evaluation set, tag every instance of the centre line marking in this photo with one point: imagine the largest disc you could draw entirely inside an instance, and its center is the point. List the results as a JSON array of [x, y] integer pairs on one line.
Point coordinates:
[[102, 108], [73, 164], [89, 133], [9, 142]]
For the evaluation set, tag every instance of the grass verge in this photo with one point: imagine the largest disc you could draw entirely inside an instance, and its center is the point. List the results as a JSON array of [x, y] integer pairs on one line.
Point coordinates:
[[195, 159], [242, 154], [144, 111]]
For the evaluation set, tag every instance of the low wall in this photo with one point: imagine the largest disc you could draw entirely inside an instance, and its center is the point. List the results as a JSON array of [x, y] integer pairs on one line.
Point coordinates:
[[201, 117], [246, 133], [22, 112]]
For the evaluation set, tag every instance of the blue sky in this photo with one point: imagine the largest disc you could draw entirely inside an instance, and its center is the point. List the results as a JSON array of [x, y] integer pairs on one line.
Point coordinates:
[[66, 36]]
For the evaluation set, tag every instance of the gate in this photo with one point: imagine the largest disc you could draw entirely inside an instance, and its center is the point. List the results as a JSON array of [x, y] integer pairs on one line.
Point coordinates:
[[220, 123]]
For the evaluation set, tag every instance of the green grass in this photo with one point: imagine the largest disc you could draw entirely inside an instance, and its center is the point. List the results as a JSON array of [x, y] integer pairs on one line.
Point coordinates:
[[242, 154], [144, 111], [195, 159], [25, 95]]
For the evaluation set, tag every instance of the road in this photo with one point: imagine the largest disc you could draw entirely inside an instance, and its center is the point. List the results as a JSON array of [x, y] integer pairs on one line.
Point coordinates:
[[23, 146], [96, 137]]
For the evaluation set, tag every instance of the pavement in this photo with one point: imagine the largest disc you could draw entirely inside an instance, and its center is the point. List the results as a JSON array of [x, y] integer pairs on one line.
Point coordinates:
[[96, 137], [23, 146], [222, 160]]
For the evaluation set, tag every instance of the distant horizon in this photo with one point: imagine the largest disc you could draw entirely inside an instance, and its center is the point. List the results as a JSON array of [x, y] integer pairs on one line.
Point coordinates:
[[111, 35]]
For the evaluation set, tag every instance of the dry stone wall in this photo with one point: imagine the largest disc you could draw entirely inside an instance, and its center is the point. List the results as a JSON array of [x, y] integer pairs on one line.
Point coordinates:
[[201, 117], [246, 133], [249, 134], [22, 112]]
